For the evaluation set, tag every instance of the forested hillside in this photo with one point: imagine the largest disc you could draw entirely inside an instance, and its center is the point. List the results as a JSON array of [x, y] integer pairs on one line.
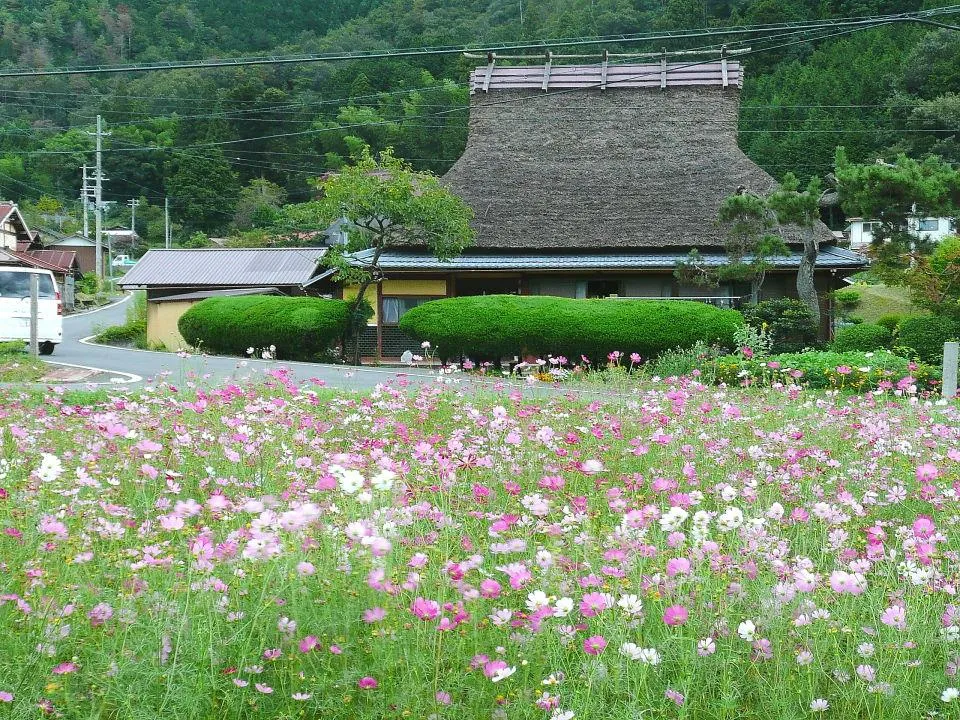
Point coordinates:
[[202, 136]]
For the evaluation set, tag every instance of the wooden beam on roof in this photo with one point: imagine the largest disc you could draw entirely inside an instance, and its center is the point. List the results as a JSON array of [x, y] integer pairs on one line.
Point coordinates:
[[491, 61], [603, 70], [663, 70], [546, 71]]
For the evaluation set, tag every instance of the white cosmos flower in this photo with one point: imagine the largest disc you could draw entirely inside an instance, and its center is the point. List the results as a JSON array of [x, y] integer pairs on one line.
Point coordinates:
[[350, 481], [630, 604], [563, 607], [950, 694], [503, 673], [747, 630], [536, 600], [383, 480]]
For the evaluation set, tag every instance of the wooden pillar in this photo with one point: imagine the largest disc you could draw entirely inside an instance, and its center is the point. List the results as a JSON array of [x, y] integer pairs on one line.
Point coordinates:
[[379, 321]]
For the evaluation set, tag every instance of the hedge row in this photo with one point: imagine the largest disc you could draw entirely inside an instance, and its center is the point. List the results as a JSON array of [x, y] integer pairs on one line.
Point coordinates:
[[857, 371], [926, 335], [865, 337], [299, 327], [491, 327]]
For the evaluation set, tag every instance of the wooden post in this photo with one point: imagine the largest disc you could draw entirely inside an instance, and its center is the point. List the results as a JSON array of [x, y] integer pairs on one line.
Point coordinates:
[[379, 322], [34, 314], [951, 352]]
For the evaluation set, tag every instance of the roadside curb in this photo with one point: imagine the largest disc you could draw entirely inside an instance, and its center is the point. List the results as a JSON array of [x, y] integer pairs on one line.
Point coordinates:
[[131, 377]]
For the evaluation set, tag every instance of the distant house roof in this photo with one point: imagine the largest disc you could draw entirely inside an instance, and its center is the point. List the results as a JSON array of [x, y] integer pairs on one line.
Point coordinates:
[[403, 261], [59, 261], [10, 211], [72, 241], [225, 268], [629, 167]]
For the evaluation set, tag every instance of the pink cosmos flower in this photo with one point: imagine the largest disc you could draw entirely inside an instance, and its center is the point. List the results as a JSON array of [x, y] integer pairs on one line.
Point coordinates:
[[844, 370], [927, 472], [895, 616], [675, 615], [923, 527], [367, 683], [678, 566], [489, 589], [443, 697], [425, 609], [6, 696], [265, 689], [309, 643], [375, 614], [592, 604], [594, 645], [64, 668]]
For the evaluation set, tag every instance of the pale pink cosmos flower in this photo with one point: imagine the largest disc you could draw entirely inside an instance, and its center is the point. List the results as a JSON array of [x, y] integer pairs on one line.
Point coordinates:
[[675, 615], [64, 668], [895, 616], [6, 696], [265, 689]]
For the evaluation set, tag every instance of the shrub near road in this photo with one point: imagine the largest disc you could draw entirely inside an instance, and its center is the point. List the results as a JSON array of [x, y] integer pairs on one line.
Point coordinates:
[[496, 326], [284, 552], [299, 327]]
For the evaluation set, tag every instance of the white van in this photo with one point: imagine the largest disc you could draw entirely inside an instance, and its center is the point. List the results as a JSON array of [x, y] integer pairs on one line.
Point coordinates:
[[15, 307]]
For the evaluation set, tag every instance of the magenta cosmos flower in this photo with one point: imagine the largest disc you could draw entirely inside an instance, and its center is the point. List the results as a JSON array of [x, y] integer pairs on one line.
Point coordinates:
[[675, 615], [367, 683], [594, 645]]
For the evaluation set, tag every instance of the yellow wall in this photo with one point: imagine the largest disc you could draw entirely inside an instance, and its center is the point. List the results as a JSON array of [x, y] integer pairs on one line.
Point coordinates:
[[398, 287], [162, 320]]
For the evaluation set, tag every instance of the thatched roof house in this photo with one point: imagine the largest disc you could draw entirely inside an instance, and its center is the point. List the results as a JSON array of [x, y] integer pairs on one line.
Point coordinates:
[[635, 165], [595, 180]]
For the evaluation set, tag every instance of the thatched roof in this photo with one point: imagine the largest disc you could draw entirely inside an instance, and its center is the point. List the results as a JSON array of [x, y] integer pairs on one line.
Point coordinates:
[[635, 167]]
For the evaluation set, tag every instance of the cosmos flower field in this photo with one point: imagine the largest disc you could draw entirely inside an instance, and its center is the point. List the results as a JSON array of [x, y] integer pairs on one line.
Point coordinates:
[[282, 551]]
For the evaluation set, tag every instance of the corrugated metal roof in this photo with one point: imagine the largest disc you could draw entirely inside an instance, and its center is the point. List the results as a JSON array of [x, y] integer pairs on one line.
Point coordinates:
[[225, 267], [829, 257], [609, 76], [60, 261]]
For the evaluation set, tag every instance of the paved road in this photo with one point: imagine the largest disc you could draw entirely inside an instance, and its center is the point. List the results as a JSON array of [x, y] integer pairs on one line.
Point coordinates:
[[148, 366]]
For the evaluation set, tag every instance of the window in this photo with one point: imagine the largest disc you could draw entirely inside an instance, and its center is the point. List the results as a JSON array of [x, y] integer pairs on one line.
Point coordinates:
[[17, 285], [395, 307], [602, 288], [929, 224], [869, 227]]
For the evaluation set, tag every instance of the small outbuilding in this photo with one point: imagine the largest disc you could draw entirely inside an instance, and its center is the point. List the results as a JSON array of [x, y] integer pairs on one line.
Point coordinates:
[[174, 280]]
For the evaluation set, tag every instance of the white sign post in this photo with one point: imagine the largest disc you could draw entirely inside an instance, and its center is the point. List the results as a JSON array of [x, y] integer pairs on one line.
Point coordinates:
[[951, 352], [34, 313]]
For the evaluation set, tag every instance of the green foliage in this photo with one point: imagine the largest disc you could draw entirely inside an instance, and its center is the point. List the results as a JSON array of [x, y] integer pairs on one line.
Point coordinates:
[[696, 360], [865, 337], [13, 347], [134, 330], [891, 193], [259, 204], [925, 336], [197, 240], [846, 300], [496, 326], [788, 321], [891, 322], [934, 281], [300, 328], [203, 189], [853, 371]]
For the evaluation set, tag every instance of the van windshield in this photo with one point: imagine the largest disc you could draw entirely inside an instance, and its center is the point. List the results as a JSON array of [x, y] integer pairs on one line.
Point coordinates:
[[17, 285]]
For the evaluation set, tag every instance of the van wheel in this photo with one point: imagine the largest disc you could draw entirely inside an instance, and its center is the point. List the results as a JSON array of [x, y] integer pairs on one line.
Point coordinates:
[[46, 348]]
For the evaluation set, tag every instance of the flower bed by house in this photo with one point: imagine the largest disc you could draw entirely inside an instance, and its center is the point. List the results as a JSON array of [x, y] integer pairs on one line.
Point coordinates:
[[687, 551]]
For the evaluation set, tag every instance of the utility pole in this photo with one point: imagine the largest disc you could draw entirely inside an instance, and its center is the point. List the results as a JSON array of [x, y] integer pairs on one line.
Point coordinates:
[[98, 199], [133, 204], [166, 223], [85, 202]]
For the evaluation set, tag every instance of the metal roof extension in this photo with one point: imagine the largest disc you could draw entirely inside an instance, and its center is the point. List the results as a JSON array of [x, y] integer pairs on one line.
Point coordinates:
[[225, 267]]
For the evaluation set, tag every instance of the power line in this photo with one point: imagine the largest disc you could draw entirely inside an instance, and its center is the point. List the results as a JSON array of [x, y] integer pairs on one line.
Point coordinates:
[[544, 45]]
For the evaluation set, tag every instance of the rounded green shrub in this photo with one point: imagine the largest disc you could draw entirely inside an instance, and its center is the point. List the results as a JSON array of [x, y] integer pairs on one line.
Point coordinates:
[[865, 337], [890, 321], [496, 326], [926, 335], [299, 327]]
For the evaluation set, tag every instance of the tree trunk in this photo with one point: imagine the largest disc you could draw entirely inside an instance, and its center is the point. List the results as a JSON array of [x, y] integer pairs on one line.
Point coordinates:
[[806, 287], [374, 276]]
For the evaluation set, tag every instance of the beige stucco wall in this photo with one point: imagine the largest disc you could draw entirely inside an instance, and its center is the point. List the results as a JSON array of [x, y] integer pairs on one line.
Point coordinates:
[[389, 288], [162, 320]]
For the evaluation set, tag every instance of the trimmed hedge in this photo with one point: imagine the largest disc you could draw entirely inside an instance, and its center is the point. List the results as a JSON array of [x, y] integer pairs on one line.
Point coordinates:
[[495, 326], [865, 337], [926, 335], [299, 327]]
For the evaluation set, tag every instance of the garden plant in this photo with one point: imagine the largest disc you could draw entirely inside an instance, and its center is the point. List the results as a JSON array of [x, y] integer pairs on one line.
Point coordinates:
[[272, 550]]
